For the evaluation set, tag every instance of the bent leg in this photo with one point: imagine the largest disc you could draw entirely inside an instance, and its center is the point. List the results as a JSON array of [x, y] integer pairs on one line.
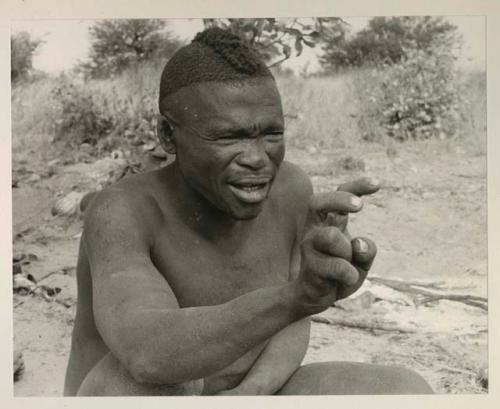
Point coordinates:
[[110, 378], [350, 378]]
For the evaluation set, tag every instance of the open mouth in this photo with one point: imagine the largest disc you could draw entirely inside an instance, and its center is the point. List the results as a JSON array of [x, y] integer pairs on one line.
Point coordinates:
[[250, 192]]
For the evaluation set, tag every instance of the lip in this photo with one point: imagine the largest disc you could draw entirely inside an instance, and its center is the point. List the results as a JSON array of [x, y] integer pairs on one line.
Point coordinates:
[[250, 180], [250, 190]]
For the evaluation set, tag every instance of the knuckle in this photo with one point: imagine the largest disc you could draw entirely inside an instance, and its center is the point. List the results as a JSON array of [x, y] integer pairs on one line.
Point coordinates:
[[343, 272], [326, 238], [333, 234]]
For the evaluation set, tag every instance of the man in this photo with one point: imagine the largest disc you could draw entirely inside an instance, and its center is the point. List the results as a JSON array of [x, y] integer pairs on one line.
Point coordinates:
[[199, 278]]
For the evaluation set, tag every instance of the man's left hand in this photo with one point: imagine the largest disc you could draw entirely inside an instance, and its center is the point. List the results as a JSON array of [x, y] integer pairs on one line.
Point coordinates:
[[363, 250]]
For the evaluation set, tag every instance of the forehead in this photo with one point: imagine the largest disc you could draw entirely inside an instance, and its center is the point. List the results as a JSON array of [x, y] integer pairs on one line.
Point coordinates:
[[227, 102]]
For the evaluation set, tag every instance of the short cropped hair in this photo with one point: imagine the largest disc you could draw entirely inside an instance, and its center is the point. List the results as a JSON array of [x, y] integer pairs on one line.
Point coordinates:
[[213, 55]]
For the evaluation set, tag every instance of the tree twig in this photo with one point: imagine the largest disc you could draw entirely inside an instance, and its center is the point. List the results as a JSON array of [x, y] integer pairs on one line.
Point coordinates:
[[452, 297], [362, 324], [416, 289], [457, 370], [63, 270]]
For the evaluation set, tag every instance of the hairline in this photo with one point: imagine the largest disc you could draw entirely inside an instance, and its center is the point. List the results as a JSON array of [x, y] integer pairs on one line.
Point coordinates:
[[233, 82]]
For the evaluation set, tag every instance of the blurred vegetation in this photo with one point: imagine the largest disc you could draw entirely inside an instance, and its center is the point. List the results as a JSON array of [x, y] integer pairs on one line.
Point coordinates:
[[419, 96], [388, 40], [118, 44], [409, 88], [107, 113], [274, 39], [22, 49]]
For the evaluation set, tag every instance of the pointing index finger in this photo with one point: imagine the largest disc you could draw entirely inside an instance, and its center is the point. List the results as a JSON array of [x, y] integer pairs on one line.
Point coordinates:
[[339, 202], [360, 187]]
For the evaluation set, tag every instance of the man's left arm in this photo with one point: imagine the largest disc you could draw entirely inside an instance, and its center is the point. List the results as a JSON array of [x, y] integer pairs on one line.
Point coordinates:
[[277, 362], [285, 351]]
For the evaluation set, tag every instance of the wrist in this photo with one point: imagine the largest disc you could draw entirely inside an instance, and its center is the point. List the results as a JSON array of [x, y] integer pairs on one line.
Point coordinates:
[[305, 301]]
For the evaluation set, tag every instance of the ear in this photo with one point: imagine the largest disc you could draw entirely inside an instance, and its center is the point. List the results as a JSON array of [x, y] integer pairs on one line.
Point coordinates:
[[165, 132]]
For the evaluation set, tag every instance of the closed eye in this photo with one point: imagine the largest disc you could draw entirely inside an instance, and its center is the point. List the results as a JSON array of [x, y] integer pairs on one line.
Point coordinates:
[[274, 136]]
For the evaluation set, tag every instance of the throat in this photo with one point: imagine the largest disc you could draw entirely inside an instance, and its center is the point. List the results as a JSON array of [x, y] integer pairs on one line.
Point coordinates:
[[196, 212]]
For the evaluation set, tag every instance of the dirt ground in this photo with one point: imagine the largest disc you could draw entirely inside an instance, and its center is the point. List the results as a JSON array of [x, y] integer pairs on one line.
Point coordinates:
[[428, 220]]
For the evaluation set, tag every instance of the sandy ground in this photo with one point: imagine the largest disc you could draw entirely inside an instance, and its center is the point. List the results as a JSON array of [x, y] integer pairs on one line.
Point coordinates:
[[429, 222]]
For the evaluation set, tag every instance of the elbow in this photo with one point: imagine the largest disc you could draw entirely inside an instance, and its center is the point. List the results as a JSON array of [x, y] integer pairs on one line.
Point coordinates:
[[147, 368], [143, 369]]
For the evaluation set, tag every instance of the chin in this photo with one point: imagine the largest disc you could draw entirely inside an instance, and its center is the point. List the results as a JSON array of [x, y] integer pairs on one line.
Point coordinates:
[[247, 213]]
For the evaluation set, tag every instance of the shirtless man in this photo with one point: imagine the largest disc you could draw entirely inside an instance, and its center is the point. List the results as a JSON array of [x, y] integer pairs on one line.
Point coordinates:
[[199, 278]]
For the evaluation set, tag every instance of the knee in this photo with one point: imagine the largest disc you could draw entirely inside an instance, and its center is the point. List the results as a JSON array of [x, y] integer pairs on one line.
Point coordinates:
[[188, 388], [400, 380]]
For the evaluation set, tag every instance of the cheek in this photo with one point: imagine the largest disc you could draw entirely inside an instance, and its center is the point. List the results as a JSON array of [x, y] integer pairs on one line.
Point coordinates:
[[204, 163], [276, 152]]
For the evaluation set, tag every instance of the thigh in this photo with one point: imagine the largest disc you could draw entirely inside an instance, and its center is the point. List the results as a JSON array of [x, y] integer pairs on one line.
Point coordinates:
[[350, 378], [110, 378]]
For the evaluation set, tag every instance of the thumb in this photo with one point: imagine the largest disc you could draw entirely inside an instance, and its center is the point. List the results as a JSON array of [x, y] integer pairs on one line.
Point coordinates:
[[363, 253]]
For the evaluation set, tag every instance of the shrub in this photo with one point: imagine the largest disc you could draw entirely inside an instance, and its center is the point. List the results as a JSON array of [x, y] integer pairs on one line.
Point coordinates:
[[117, 45], [104, 114], [22, 48], [387, 39], [81, 117], [416, 98]]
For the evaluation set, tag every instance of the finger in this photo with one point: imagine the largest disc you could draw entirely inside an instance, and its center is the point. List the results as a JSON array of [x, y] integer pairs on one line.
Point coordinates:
[[338, 202], [360, 187], [338, 271], [363, 253], [338, 220], [330, 241]]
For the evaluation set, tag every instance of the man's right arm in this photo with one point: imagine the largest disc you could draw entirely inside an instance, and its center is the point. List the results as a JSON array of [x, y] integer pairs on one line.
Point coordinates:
[[138, 316], [137, 313]]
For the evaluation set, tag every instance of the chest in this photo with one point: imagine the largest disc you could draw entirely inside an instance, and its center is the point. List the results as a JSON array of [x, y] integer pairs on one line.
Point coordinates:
[[201, 272]]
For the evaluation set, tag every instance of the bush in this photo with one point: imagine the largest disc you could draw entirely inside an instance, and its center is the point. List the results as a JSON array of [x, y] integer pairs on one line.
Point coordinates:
[[22, 48], [103, 114], [117, 45], [81, 118], [416, 98], [387, 39]]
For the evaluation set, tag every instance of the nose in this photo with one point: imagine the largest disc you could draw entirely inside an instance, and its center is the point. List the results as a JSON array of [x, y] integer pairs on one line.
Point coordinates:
[[254, 155]]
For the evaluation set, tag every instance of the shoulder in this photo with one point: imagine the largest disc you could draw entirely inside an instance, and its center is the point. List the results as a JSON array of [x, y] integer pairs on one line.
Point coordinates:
[[293, 183], [124, 205], [293, 189]]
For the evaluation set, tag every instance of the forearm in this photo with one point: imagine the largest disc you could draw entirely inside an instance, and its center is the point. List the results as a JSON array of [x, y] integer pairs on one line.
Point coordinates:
[[175, 345], [277, 363]]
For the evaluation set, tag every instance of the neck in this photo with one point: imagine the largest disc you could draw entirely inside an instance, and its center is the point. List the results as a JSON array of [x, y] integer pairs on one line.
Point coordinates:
[[197, 212]]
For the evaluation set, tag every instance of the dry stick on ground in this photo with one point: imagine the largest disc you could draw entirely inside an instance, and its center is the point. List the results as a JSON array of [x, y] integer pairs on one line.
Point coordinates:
[[408, 287], [63, 271], [460, 298], [456, 370], [366, 324]]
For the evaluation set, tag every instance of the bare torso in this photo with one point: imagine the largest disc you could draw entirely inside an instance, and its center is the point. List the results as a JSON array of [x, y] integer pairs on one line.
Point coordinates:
[[202, 270]]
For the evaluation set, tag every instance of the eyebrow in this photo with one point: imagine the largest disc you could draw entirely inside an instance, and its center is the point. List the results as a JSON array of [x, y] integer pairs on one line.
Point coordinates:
[[244, 131]]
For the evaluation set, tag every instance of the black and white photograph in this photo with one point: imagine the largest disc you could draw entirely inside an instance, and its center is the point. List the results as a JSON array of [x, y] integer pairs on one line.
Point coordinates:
[[249, 206]]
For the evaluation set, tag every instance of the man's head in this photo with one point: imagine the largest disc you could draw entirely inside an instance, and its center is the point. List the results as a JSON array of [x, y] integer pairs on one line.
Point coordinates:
[[221, 115]]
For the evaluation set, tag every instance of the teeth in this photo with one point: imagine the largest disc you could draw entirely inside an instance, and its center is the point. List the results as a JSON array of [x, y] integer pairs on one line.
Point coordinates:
[[250, 188], [250, 193]]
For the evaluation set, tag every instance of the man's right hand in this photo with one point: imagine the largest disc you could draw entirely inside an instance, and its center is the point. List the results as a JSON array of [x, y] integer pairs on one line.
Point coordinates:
[[332, 265]]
